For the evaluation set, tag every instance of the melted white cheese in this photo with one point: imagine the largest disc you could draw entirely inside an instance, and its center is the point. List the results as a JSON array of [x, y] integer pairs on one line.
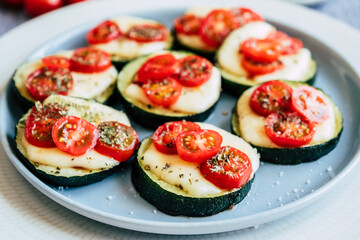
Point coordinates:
[[175, 171], [191, 100], [124, 48], [86, 85], [229, 58], [252, 125]]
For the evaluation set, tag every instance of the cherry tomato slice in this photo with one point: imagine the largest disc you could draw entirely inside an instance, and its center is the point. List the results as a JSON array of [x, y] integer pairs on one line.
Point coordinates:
[[257, 68], [310, 103], [103, 33], [147, 33], [288, 44], [188, 24], [164, 92], [157, 68], [44, 81], [198, 145], [56, 62], [89, 60], [245, 15], [165, 135], [74, 135], [271, 97], [229, 169], [194, 71], [40, 122], [261, 50], [289, 129], [116, 140], [216, 26]]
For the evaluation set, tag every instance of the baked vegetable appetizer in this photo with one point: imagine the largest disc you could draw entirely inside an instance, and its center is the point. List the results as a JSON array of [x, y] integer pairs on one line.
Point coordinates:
[[257, 52], [72, 142], [84, 72], [169, 86], [202, 29], [289, 123], [194, 169], [126, 38]]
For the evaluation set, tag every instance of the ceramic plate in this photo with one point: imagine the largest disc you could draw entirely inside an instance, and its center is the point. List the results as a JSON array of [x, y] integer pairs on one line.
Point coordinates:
[[277, 190]]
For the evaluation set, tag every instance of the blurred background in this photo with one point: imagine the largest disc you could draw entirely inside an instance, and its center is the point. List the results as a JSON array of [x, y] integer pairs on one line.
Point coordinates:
[[15, 12]]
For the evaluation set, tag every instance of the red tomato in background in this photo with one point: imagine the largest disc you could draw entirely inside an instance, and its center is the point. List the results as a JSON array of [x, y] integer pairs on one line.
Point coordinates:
[[12, 3], [37, 7]]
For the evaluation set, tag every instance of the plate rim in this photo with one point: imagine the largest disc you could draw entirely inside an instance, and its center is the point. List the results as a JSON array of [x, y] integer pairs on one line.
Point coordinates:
[[147, 225]]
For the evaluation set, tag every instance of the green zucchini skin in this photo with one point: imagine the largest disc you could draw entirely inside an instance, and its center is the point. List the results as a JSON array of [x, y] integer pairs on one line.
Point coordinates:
[[152, 120], [74, 181], [51, 175], [292, 156], [236, 89], [19, 99], [146, 116], [174, 204]]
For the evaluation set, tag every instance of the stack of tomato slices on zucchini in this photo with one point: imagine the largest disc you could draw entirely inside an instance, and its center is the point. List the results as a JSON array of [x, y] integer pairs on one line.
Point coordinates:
[[126, 38], [194, 169], [289, 123], [257, 53], [169, 86], [84, 72], [203, 30], [67, 144]]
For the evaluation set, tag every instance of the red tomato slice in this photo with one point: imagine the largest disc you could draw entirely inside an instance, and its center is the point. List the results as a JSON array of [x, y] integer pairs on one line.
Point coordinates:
[[194, 71], [164, 92], [216, 26], [56, 62], [257, 68], [116, 140], [89, 60], [288, 44], [157, 68], [40, 122], [188, 24], [165, 135], [44, 81], [289, 129], [74, 135], [261, 50], [271, 97], [198, 145], [310, 103], [103, 33], [246, 15], [229, 169], [147, 33]]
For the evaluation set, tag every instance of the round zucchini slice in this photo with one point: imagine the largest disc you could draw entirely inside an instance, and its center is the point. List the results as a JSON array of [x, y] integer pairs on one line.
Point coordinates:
[[152, 116], [96, 86], [290, 156], [122, 49], [178, 198], [235, 80], [59, 168]]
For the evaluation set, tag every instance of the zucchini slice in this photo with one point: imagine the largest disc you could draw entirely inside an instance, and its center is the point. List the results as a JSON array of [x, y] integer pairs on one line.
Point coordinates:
[[235, 80], [96, 86], [290, 156], [73, 170], [179, 198], [122, 50], [152, 116]]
